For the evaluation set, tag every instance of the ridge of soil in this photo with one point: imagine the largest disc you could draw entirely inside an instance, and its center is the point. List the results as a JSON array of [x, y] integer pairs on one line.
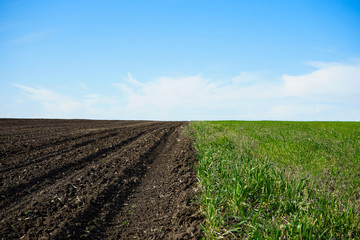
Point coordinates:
[[87, 179]]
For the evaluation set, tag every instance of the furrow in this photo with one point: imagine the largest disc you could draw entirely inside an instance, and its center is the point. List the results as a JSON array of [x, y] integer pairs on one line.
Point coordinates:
[[53, 174], [111, 199], [83, 179], [52, 202], [51, 141]]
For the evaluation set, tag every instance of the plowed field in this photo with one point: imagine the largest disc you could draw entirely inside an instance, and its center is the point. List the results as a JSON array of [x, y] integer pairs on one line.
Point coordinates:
[[83, 179]]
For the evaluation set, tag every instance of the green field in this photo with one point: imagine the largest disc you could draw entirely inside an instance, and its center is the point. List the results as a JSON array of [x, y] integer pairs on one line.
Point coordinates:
[[279, 180]]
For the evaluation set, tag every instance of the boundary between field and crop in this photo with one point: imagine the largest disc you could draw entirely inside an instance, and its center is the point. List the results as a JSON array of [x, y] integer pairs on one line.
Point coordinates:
[[248, 192]]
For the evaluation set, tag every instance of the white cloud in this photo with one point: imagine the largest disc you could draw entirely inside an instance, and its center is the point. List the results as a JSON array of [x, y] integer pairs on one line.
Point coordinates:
[[322, 94], [196, 97], [329, 83], [330, 92], [168, 93]]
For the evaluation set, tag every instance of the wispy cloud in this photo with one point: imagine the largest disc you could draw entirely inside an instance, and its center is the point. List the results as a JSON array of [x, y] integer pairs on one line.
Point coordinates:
[[58, 105], [134, 82], [84, 86], [52, 102], [327, 50], [248, 78]]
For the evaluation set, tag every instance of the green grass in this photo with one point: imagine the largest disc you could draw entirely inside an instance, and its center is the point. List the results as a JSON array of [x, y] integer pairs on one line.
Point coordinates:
[[279, 180]]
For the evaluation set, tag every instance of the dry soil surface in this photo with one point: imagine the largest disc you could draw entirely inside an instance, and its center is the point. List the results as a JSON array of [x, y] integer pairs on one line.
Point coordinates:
[[84, 179]]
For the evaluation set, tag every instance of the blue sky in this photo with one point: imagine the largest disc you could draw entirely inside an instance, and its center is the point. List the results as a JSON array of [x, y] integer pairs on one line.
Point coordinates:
[[180, 60]]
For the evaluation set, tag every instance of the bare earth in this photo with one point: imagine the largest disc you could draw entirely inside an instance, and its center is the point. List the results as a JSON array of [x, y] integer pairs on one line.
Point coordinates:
[[83, 179]]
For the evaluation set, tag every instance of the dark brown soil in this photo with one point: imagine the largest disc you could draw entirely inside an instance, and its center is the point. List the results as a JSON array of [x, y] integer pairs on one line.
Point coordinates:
[[83, 179]]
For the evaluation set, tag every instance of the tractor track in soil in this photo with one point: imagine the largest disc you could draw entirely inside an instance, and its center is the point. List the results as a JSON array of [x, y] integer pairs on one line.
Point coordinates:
[[86, 179]]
